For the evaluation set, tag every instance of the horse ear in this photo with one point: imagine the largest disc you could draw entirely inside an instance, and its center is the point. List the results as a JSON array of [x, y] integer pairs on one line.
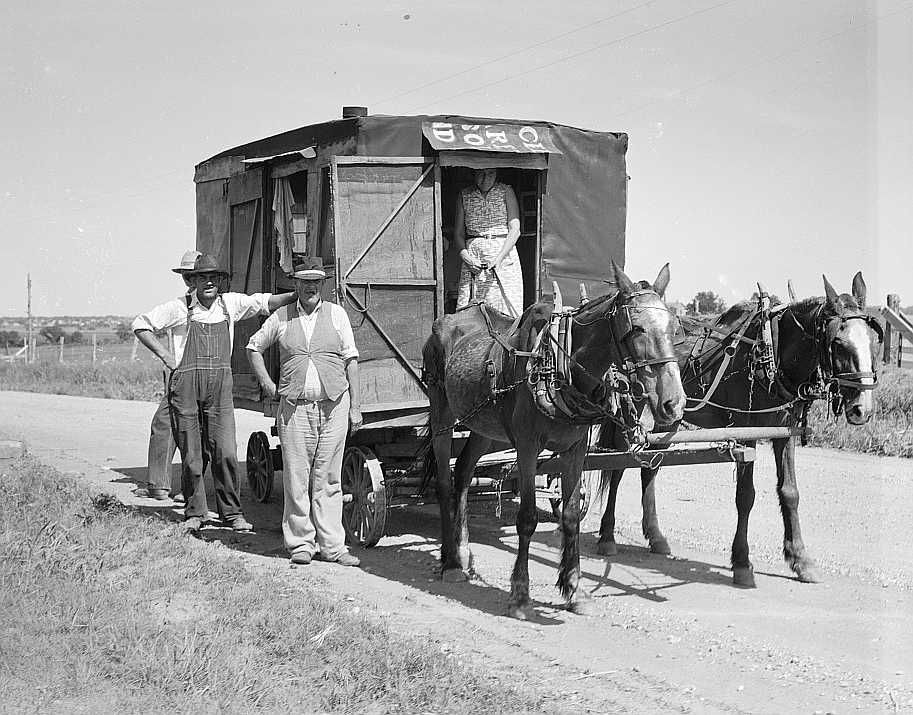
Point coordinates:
[[859, 289], [790, 290], [662, 280], [625, 284], [829, 292]]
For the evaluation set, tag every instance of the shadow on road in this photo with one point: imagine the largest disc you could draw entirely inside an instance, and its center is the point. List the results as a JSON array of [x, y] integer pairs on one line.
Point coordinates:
[[409, 552]]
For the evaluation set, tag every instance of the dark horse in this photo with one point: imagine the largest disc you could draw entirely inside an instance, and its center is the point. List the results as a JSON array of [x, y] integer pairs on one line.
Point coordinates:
[[484, 384], [825, 347]]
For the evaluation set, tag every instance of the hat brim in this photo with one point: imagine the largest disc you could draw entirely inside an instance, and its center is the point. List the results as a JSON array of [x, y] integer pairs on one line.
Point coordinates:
[[191, 272], [311, 274], [181, 271]]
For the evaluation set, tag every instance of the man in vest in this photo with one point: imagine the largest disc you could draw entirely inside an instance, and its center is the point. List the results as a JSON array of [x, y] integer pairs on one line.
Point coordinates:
[[200, 384], [319, 400], [161, 441]]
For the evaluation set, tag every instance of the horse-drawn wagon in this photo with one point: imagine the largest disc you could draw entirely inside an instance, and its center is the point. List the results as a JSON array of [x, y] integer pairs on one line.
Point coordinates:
[[374, 197]]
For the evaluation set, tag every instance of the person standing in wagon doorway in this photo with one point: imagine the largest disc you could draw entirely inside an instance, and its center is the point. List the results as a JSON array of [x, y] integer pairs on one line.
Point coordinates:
[[319, 402], [485, 232]]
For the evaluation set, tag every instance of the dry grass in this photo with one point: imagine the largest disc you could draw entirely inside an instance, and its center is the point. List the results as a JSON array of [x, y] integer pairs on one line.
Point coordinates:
[[889, 433], [102, 609], [115, 379]]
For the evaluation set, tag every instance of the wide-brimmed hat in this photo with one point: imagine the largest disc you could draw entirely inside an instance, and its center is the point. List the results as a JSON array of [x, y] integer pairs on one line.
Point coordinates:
[[309, 269], [206, 263], [187, 261]]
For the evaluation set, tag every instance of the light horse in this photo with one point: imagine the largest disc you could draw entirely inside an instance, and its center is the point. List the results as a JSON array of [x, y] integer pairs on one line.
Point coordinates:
[[825, 348], [492, 377]]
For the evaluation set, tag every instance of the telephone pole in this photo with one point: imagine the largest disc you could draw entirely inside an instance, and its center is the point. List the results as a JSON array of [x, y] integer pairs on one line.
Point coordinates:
[[28, 329]]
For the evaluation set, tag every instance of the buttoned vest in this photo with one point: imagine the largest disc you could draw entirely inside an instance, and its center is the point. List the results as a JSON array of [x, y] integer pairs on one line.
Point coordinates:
[[324, 349]]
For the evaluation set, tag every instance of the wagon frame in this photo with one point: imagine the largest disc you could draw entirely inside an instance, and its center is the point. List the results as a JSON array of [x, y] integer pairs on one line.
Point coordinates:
[[373, 197]]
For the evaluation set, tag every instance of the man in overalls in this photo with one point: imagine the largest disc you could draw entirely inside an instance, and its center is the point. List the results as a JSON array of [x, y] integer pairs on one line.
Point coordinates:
[[161, 439], [200, 385]]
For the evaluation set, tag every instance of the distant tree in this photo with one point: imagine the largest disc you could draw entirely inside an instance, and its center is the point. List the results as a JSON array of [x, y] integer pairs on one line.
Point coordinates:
[[10, 336], [76, 337], [706, 301], [774, 298], [52, 333], [123, 332]]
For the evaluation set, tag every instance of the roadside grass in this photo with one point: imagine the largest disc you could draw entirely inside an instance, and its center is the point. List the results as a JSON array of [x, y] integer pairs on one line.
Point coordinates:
[[103, 609], [888, 433], [119, 380]]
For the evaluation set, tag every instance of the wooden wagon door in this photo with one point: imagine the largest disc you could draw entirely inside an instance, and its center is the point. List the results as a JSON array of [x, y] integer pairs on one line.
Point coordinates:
[[387, 236], [246, 261]]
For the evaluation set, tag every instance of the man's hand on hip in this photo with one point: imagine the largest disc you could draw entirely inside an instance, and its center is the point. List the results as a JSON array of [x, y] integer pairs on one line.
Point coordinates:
[[354, 419]]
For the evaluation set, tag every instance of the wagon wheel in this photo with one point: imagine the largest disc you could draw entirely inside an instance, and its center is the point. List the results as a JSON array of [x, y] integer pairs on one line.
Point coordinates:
[[259, 466], [588, 482], [364, 508]]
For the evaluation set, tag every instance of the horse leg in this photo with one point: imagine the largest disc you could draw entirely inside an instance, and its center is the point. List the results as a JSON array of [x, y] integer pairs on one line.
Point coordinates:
[[449, 561], [650, 522], [788, 492], [476, 445], [527, 518], [742, 570], [606, 545], [578, 601]]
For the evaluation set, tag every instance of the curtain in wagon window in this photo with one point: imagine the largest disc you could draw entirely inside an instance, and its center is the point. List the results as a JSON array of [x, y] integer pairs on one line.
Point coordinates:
[[283, 222]]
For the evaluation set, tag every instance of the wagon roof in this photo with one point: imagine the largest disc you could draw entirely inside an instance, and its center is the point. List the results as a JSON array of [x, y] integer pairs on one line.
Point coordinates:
[[340, 129]]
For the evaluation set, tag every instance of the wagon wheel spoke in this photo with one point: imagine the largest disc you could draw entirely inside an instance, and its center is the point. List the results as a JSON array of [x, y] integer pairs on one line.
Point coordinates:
[[365, 514], [259, 466]]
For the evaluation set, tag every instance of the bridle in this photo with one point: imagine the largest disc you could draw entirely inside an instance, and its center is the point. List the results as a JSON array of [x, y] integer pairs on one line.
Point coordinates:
[[551, 365]]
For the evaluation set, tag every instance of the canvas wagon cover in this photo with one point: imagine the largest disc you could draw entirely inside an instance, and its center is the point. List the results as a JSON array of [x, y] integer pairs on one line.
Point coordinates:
[[583, 209]]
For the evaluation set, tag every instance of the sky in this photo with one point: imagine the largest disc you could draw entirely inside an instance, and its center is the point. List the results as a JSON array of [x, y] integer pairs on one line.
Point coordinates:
[[767, 140]]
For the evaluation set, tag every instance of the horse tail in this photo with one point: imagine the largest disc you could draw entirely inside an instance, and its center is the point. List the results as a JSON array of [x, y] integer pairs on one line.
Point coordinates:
[[607, 438]]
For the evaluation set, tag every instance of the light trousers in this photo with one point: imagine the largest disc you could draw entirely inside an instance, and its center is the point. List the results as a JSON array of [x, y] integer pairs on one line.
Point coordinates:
[[313, 437]]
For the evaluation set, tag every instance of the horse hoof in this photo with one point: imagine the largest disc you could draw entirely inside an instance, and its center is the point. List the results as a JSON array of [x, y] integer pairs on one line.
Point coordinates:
[[521, 613], [454, 576], [606, 548], [743, 577], [807, 574], [660, 546], [582, 607]]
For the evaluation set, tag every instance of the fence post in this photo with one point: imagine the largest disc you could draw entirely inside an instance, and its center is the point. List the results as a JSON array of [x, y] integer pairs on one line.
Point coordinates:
[[888, 336], [94, 347], [133, 352], [60, 354]]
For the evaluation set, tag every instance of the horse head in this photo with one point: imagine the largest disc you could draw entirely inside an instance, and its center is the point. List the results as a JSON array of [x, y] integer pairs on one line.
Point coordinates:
[[850, 348], [643, 328]]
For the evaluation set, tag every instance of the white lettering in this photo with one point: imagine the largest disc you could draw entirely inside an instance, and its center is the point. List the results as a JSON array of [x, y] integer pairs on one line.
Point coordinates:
[[443, 131], [496, 137], [528, 135], [473, 139], [470, 127]]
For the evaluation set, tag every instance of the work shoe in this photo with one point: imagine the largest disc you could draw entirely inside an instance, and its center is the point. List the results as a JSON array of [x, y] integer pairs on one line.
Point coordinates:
[[178, 498], [344, 559], [193, 523], [159, 494], [301, 558], [238, 523]]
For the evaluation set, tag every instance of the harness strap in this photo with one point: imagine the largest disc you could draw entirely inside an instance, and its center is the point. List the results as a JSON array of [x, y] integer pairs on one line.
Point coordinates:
[[728, 354]]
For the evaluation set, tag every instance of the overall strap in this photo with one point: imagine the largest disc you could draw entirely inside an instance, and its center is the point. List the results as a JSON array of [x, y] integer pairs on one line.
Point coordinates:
[[189, 310], [225, 310]]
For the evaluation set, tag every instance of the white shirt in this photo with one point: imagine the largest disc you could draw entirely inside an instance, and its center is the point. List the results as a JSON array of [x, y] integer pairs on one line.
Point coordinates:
[[172, 316], [276, 325]]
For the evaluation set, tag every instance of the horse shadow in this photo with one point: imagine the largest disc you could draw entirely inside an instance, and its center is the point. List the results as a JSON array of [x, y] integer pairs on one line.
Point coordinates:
[[409, 552]]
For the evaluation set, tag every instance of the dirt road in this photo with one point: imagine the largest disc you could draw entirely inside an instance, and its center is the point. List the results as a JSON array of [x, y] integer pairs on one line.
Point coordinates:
[[670, 633]]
